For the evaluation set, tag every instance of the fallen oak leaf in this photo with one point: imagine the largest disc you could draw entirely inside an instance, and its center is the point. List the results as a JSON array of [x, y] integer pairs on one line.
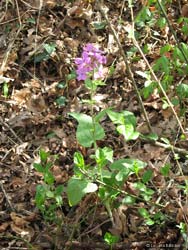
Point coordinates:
[[18, 220], [4, 226]]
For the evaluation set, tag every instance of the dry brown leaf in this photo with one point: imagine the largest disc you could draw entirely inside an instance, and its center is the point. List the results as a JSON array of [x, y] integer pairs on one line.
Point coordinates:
[[184, 10], [120, 69], [74, 23], [16, 182], [80, 12], [60, 176], [20, 96], [18, 220], [60, 133], [159, 181], [153, 152], [182, 213], [120, 221], [27, 233], [36, 104], [20, 120], [4, 226], [167, 113]]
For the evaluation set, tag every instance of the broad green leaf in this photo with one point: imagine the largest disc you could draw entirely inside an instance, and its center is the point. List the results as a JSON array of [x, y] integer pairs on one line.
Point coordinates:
[[129, 200], [39, 167], [107, 194], [43, 155], [101, 114], [61, 85], [162, 65], [151, 136], [110, 239], [143, 212], [71, 76], [161, 22], [49, 194], [147, 176], [79, 160], [41, 57], [115, 117], [59, 190], [128, 132], [165, 169], [143, 16], [103, 156], [140, 186], [86, 135], [31, 20], [165, 49], [148, 89], [185, 49], [128, 164], [77, 189], [122, 118], [59, 200], [49, 178], [184, 29], [49, 48], [90, 84], [61, 101], [126, 122], [149, 222], [126, 167], [121, 167], [147, 194], [99, 25], [87, 132], [182, 90]]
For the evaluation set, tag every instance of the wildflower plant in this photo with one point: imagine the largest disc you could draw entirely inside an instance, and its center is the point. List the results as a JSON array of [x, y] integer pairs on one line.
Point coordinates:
[[105, 176], [102, 175]]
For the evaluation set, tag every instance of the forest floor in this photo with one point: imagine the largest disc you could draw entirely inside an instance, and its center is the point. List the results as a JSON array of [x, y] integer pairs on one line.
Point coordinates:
[[39, 41]]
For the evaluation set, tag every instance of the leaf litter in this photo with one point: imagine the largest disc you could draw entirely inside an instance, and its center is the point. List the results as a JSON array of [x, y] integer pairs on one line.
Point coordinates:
[[33, 63]]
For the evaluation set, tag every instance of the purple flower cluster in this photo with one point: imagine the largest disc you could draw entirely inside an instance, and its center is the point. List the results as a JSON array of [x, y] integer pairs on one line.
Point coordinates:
[[91, 63]]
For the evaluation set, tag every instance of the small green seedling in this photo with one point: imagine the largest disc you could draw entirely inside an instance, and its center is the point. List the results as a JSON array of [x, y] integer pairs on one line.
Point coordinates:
[[48, 197], [110, 239]]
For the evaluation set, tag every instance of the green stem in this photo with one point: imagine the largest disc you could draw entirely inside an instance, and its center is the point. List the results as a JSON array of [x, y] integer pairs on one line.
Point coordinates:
[[92, 93]]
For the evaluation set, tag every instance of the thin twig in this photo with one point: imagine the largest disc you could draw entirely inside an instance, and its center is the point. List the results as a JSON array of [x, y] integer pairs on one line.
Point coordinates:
[[6, 196], [167, 146], [96, 227], [18, 11], [36, 31], [4, 14], [128, 67], [11, 130]]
